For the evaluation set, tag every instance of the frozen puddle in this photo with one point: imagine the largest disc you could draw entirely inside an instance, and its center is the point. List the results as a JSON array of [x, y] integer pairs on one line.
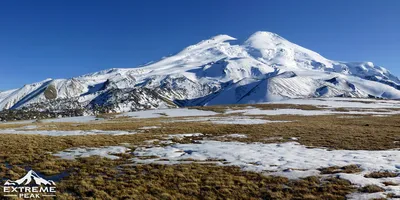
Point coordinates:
[[105, 152], [291, 159], [63, 133]]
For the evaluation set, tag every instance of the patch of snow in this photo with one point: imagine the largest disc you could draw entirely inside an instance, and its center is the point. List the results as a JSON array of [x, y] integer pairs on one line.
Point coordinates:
[[356, 179], [149, 127], [30, 127], [184, 135], [290, 160], [81, 119], [64, 133], [236, 135], [105, 152], [243, 120], [273, 138], [19, 122], [366, 196], [178, 112], [361, 181], [277, 157], [344, 103], [256, 111]]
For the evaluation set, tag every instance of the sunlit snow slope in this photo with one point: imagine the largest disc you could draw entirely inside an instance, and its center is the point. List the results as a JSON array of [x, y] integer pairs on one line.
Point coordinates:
[[266, 67]]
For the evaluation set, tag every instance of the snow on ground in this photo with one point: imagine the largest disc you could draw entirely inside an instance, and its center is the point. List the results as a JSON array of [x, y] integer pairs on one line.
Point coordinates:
[[149, 127], [230, 120], [290, 159], [180, 136], [19, 122], [105, 152], [64, 133], [366, 196], [30, 127], [278, 157], [178, 112], [236, 135], [256, 111], [344, 103], [81, 119], [361, 181]]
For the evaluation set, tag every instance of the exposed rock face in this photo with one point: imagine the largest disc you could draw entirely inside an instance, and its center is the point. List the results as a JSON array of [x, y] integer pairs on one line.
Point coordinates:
[[25, 114], [50, 92]]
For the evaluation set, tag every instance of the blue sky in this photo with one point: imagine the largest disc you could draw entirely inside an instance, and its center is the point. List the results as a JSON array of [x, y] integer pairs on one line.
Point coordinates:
[[60, 39]]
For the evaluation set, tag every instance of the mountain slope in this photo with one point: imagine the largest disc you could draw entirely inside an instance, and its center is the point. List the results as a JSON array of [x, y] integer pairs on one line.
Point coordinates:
[[266, 67]]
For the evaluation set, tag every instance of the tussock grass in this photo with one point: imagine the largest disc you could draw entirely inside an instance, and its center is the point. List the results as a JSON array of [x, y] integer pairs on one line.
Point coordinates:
[[349, 169], [361, 133], [383, 174], [371, 189], [196, 181], [389, 183]]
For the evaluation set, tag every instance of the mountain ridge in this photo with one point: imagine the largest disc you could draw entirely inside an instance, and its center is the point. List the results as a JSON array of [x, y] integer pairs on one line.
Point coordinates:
[[219, 70]]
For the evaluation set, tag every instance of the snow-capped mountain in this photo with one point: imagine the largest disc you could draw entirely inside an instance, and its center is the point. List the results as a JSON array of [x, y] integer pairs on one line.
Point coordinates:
[[220, 70]]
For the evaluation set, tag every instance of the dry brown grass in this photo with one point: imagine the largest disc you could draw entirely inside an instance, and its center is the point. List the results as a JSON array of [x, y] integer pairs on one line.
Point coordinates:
[[195, 181], [366, 132], [389, 183], [100, 178], [371, 189], [363, 132], [383, 174], [349, 169], [33, 149]]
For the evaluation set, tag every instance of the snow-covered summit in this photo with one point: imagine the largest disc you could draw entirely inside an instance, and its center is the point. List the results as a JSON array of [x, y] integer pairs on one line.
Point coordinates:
[[219, 70]]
